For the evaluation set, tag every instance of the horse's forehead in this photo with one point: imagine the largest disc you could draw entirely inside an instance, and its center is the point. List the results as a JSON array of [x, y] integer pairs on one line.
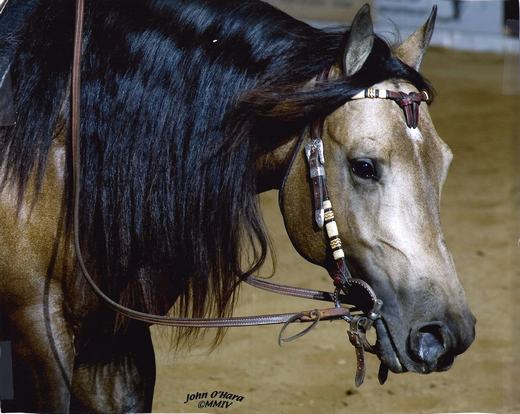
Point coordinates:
[[381, 119], [379, 124]]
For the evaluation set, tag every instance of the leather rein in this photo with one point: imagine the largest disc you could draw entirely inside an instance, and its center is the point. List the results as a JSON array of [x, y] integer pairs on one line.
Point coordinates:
[[359, 317]]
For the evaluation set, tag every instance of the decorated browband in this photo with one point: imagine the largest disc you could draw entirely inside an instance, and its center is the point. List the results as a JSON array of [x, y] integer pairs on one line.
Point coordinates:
[[409, 102]]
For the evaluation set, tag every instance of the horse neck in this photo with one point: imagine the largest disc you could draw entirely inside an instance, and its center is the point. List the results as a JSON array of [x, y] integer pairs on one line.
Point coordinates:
[[272, 166]]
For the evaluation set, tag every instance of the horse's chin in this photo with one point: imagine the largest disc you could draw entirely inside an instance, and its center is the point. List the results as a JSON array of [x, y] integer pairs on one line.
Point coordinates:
[[386, 349]]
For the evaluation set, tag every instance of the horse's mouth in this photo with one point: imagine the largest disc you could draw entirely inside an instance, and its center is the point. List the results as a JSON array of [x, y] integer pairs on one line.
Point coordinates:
[[386, 351]]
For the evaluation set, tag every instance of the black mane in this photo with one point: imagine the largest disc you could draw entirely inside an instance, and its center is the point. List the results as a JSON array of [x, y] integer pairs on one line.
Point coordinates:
[[178, 99]]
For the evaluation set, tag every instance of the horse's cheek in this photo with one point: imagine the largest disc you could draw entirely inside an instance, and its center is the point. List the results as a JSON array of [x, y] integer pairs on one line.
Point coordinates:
[[297, 211]]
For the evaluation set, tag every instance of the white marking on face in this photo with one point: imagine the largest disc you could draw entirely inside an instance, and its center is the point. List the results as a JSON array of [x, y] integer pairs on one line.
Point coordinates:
[[414, 134]]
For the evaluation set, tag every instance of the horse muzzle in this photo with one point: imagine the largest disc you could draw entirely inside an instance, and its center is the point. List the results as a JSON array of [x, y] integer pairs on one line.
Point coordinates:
[[429, 347]]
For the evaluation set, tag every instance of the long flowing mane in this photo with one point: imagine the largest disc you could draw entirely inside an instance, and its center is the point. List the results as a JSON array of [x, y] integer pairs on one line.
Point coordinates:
[[179, 98]]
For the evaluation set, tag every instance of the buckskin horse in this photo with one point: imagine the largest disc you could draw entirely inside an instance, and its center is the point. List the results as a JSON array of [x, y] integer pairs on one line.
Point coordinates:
[[189, 109]]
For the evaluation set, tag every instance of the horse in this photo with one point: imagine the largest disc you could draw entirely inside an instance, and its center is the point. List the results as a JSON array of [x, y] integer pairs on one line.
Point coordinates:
[[190, 109]]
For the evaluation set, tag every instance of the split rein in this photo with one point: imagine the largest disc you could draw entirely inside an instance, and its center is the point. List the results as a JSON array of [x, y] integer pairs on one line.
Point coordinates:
[[360, 317]]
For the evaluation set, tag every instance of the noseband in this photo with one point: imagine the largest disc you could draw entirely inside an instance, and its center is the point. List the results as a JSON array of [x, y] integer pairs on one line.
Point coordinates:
[[366, 307]]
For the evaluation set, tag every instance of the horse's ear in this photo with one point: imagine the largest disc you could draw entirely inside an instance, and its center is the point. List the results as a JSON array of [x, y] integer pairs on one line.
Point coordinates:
[[412, 50], [359, 42]]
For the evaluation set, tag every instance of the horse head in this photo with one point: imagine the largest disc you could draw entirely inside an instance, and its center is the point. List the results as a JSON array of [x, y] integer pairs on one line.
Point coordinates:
[[385, 180]]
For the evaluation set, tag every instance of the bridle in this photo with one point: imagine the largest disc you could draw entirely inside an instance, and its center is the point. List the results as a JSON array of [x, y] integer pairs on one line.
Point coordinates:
[[360, 318]]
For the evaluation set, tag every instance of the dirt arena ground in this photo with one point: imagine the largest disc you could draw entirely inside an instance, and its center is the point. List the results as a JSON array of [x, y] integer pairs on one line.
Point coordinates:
[[480, 215]]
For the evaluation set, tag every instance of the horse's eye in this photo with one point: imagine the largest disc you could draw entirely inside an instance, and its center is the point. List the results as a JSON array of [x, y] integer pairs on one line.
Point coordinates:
[[363, 168]]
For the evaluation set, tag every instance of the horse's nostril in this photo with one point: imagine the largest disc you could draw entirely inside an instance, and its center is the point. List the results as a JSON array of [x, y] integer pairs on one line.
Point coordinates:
[[430, 347], [428, 344]]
